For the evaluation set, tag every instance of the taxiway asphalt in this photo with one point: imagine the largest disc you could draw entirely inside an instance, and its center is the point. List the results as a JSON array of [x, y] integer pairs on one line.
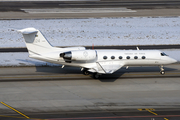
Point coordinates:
[[88, 9], [53, 92]]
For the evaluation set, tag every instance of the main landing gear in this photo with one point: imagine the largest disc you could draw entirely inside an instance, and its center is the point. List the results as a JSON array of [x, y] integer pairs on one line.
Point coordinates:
[[162, 71], [85, 72], [95, 75]]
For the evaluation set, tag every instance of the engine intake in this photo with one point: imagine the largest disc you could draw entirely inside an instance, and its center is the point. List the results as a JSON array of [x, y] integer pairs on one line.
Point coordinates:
[[79, 55], [66, 55]]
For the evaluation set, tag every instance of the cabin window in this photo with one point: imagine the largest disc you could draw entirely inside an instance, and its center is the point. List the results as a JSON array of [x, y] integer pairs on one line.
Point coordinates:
[[112, 57], [163, 54], [105, 57], [143, 57], [120, 57], [135, 57], [128, 57]]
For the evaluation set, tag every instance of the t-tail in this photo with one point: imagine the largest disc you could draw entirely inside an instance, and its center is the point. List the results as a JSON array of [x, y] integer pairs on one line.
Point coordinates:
[[38, 45], [35, 41]]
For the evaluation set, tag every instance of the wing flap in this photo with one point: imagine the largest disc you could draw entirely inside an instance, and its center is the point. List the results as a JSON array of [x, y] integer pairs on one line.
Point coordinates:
[[108, 67]]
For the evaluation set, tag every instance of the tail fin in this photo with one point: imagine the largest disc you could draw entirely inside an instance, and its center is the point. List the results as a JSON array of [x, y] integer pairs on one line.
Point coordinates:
[[36, 43]]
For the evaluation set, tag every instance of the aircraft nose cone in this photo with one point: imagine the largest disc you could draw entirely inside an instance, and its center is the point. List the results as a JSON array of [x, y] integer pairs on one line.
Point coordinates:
[[173, 60]]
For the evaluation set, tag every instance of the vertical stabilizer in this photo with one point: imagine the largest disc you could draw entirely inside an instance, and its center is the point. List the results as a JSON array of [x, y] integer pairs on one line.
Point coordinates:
[[36, 43]]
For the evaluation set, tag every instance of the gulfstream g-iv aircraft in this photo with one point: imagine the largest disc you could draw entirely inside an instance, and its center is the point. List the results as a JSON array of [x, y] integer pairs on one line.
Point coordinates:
[[97, 62]]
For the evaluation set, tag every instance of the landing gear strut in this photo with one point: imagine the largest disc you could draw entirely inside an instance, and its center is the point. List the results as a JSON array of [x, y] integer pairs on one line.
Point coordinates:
[[162, 71]]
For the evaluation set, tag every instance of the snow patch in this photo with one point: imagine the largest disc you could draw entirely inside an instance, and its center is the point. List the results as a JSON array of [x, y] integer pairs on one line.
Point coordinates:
[[100, 32]]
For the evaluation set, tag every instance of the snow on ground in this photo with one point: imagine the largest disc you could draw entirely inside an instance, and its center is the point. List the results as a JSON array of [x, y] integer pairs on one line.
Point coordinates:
[[105, 31], [22, 59]]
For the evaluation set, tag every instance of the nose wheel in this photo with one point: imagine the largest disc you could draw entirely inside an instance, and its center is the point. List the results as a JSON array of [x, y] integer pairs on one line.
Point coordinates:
[[162, 71]]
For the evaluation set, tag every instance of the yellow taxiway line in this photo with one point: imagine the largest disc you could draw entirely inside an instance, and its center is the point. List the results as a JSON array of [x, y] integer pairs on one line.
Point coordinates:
[[14, 110], [151, 111]]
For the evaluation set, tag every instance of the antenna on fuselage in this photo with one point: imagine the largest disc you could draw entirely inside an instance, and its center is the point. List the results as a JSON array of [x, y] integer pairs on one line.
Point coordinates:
[[93, 46]]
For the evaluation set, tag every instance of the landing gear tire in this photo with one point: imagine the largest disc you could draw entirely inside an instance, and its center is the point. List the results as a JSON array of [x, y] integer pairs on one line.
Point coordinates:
[[162, 72], [85, 72], [96, 76]]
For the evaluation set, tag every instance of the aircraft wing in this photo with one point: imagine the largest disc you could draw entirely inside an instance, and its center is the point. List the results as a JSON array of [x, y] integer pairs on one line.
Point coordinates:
[[108, 67]]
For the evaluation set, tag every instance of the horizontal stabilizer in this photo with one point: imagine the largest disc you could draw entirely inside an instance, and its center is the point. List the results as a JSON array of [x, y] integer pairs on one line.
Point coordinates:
[[28, 30]]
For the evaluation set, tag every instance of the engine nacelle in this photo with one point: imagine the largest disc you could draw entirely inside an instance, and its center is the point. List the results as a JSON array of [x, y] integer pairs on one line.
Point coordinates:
[[79, 55]]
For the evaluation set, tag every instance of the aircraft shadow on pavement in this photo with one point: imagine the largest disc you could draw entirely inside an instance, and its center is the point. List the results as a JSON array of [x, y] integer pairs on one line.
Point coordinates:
[[59, 70], [135, 70], [34, 63], [51, 68], [103, 78]]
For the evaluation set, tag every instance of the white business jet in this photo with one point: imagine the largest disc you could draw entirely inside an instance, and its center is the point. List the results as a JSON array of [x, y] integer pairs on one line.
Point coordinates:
[[97, 62]]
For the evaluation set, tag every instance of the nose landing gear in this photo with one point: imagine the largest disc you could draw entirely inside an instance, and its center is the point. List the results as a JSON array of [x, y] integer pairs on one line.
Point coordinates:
[[162, 71]]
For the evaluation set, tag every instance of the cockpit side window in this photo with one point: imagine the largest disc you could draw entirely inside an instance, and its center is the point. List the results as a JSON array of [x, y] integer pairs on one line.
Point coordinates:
[[163, 54]]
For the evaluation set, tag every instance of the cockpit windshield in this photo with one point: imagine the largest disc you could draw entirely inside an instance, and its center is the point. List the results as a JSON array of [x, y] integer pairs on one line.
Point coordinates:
[[163, 54]]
